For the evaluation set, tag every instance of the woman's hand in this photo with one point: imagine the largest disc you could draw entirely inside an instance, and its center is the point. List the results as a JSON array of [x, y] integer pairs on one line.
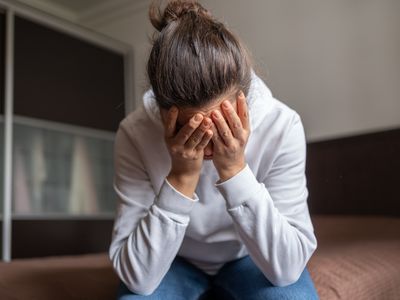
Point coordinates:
[[186, 148], [230, 137]]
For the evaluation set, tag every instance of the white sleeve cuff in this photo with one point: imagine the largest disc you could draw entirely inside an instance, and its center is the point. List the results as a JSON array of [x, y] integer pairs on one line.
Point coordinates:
[[239, 188], [174, 201]]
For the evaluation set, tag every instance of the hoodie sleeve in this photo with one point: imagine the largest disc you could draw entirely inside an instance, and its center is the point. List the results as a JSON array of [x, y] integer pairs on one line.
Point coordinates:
[[148, 228], [271, 215]]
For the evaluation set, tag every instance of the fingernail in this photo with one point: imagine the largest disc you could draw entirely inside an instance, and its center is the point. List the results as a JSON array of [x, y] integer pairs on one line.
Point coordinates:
[[215, 114], [241, 95], [198, 117], [226, 104]]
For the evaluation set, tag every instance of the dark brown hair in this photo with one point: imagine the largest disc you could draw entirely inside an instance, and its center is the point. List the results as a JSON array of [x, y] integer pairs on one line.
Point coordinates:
[[194, 58]]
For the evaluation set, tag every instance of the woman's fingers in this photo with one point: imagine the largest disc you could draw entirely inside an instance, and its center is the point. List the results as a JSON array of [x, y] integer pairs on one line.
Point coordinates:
[[216, 138], [187, 130], [170, 123], [224, 132], [198, 134], [205, 140], [234, 121], [243, 111]]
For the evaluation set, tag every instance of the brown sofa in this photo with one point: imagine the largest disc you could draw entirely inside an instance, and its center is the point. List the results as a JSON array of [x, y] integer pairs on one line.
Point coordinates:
[[357, 258]]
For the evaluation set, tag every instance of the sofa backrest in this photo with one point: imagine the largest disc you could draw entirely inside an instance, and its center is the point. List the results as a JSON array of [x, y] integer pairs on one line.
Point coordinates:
[[355, 175]]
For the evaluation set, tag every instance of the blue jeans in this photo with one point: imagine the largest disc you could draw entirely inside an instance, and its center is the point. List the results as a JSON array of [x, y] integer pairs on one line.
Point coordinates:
[[238, 279]]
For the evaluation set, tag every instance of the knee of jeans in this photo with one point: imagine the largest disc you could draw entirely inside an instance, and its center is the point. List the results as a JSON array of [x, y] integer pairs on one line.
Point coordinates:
[[278, 293], [257, 290], [301, 289]]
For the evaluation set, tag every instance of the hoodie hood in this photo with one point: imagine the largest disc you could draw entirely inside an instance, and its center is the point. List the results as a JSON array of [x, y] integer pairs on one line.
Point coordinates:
[[259, 100]]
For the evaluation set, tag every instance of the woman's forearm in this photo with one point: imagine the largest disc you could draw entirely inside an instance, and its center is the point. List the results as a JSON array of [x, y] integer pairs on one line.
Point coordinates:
[[279, 241], [145, 242]]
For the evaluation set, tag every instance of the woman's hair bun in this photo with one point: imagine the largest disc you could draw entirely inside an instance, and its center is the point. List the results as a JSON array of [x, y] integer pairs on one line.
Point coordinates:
[[174, 10], [194, 58]]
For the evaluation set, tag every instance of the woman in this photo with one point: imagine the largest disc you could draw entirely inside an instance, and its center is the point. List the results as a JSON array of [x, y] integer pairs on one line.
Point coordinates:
[[209, 174]]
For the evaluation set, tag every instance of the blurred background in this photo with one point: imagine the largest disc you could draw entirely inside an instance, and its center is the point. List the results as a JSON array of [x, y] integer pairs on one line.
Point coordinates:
[[71, 69]]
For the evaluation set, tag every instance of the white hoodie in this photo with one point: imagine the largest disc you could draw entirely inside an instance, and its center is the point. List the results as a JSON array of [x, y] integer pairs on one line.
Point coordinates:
[[262, 211]]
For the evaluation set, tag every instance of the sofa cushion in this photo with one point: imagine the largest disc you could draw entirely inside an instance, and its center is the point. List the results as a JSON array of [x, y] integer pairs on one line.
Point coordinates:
[[357, 257], [62, 278]]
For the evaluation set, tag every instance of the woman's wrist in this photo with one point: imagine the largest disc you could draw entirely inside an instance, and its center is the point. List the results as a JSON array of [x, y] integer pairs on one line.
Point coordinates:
[[227, 173], [184, 183]]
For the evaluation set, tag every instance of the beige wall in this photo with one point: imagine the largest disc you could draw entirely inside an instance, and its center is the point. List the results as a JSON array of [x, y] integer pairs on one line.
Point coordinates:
[[336, 62]]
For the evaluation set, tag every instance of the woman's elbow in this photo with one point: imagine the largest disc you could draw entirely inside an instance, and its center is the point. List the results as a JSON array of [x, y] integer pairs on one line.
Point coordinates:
[[137, 282], [285, 275], [284, 279]]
